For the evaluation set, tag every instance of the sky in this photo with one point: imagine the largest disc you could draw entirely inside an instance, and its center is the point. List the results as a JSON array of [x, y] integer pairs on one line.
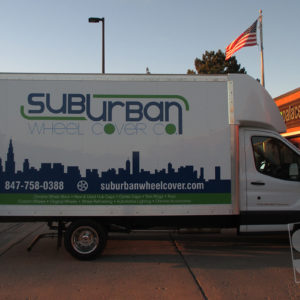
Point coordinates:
[[164, 35]]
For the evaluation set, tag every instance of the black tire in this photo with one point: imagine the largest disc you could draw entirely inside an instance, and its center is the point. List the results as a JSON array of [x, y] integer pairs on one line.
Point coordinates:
[[85, 239]]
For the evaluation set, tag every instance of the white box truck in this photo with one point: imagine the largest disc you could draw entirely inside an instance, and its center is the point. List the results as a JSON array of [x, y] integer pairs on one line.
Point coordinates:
[[141, 151]]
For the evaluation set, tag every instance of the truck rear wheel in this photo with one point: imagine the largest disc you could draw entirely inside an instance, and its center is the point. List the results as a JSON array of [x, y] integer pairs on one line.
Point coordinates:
[[85, 239]]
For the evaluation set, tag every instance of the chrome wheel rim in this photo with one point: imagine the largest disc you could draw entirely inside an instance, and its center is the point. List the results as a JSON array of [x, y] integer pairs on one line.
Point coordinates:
[[85, 239]]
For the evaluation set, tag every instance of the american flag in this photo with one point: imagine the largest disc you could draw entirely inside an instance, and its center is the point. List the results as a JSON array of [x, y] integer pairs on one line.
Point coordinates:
[[246, 39]]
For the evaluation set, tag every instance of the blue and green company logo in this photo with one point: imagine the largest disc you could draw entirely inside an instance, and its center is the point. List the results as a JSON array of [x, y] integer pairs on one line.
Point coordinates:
[[164, 112]]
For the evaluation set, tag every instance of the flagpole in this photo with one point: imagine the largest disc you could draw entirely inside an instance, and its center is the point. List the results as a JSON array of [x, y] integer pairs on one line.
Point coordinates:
[[261, 50]]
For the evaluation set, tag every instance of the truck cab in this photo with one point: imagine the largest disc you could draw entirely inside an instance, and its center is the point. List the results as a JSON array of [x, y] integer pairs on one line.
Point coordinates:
[[269, 178]]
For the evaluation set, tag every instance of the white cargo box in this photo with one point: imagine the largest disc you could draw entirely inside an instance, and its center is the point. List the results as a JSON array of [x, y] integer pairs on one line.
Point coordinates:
[[125, 145]]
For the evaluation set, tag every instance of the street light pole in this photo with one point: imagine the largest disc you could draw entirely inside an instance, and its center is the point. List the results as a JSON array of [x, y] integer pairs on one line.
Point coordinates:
[[98, 20]]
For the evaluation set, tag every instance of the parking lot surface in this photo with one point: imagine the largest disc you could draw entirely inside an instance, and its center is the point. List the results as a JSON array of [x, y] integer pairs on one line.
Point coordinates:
[[148, 265]]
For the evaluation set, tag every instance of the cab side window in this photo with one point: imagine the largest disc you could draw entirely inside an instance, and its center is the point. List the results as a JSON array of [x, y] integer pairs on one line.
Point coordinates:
[[274, 158]]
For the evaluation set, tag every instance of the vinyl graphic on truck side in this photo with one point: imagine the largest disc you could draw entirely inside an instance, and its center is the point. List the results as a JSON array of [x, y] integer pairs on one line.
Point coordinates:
[[163, 112], [55, 184]]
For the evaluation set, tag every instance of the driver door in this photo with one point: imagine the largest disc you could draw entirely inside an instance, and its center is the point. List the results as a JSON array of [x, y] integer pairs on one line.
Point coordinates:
[[272, 172]]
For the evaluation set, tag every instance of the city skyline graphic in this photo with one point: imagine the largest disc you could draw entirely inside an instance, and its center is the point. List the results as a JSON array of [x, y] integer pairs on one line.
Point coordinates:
[[113, 180]]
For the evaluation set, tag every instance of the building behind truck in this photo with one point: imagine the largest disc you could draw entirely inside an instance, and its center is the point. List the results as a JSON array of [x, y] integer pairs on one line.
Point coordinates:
[[289, 107], [95, 152]]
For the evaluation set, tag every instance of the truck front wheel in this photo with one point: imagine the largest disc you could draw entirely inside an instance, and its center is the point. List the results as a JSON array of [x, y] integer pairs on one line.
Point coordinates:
[[85, 239]]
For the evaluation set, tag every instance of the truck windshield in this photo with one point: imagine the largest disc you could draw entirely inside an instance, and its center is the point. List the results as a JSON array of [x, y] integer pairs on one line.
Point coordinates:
[[274, 158]]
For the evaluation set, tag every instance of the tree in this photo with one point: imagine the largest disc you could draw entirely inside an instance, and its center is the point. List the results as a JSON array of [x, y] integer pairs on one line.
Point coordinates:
[[215, 63]]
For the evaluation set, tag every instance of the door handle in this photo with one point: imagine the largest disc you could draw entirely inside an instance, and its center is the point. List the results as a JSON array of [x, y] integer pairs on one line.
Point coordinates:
[[258, 183]]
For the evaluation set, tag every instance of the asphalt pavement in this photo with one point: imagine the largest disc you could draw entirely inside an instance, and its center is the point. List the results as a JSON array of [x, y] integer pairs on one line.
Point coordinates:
[[148, 265]]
